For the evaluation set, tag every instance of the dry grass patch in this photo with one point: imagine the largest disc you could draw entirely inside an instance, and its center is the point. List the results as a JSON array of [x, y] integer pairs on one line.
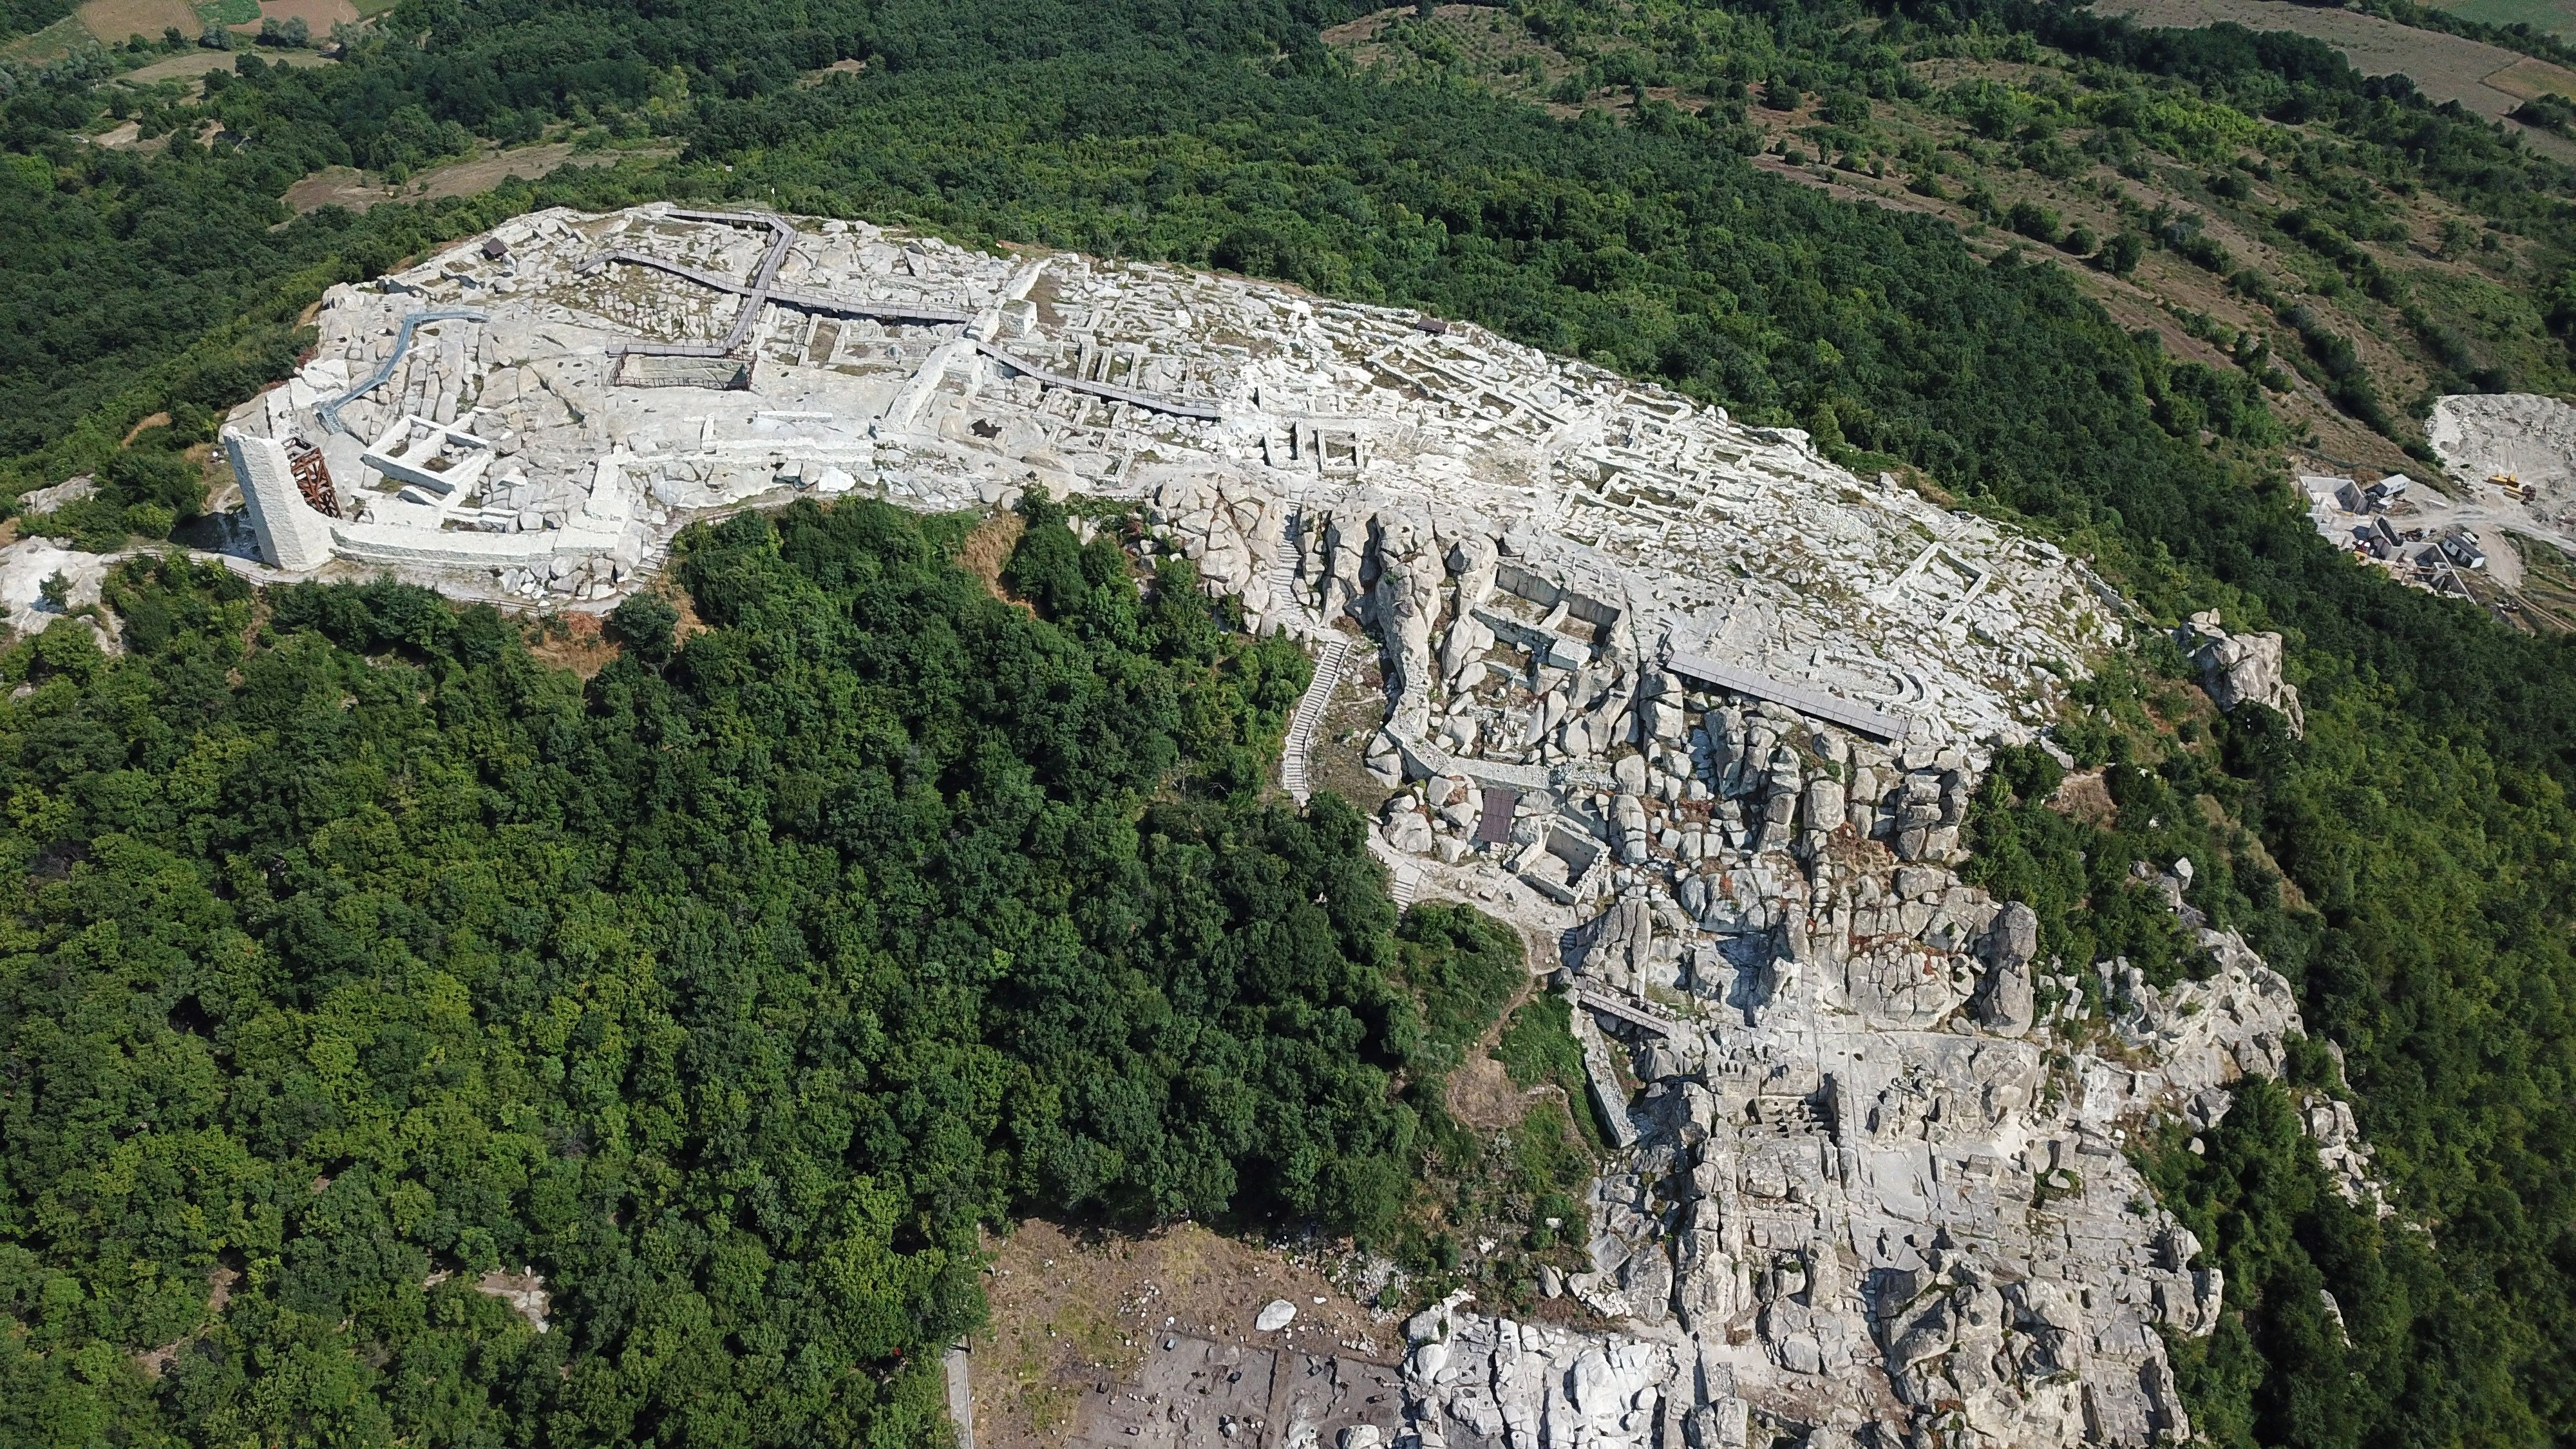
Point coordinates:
[[321, 15], [346, 186], [575, 642], [113, 20], [2085, 797], [1073, 1310], [988, 548]]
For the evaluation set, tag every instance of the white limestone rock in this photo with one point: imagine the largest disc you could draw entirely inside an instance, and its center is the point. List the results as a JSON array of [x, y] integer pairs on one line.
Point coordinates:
[[2241, 668], [1407, 828], [2007, 1003]]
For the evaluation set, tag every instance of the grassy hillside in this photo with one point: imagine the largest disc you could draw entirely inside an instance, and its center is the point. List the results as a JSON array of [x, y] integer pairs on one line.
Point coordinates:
[[2352, 263]]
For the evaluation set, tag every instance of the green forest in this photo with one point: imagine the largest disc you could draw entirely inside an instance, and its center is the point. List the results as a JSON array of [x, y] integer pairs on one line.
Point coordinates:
[[350, 945], [2349, 253], [354, 953]]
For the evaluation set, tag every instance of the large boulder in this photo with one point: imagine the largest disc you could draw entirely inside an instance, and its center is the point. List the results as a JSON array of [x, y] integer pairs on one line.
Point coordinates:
[[1473, 563], [2007, 1003], [2241, 668], [1468, 639], [1407, 828]]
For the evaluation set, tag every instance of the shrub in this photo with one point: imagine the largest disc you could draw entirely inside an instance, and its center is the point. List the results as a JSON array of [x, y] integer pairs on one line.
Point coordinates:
[[2032, 220]]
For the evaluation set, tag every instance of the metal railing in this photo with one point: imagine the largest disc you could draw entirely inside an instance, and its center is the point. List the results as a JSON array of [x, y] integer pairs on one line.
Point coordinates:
[[329, 412]]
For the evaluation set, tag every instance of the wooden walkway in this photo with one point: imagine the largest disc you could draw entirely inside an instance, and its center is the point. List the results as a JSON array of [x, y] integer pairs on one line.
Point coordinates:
[[329, 411], [1178, 407]]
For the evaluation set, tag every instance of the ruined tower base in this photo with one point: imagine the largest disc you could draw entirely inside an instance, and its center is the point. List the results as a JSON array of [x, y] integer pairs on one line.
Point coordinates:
[[292, 535]]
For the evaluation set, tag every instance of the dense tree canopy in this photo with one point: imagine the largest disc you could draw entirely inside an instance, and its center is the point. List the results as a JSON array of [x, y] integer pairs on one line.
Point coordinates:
[[368, 956]]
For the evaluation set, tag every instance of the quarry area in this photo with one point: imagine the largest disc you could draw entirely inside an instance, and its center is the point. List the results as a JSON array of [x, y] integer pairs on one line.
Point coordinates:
[[1670, 691], [2501, 526]]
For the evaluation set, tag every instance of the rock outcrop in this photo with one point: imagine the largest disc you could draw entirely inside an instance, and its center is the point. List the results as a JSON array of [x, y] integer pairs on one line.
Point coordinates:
[[2241, 668], [1231, 531]]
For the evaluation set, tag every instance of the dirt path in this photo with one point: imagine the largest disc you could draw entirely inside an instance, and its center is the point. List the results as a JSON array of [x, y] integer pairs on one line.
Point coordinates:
[[1480, 1093]]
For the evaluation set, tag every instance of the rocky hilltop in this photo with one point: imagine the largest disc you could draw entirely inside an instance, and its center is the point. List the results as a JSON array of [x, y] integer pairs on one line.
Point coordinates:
[[1671, 690]]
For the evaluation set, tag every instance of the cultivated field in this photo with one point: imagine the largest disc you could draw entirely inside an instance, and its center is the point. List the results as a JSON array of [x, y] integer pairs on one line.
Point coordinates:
[[189, 64], [2550, 17], [113, 20], [320, 14], [2444, 67], [51, 43], [343, 186]]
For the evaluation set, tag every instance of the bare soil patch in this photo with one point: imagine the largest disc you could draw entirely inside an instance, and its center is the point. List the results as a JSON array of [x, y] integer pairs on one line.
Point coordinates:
[[2087, 798], [585, 649], [1076, 1312], [989, 547], [2530, 77], [690, 624], [1351, 717], [195, 63], [321, 15], [1481, 1094], [838, 67]]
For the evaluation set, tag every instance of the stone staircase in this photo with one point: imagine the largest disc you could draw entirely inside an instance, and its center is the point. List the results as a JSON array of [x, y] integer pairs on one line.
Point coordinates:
[[1283, 577], [1407, 884], [1403, 876], [1310, 715]]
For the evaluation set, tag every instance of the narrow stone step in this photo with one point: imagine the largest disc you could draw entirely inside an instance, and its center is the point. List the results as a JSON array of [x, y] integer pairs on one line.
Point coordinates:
[[1283, 573], [1310, 709]]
